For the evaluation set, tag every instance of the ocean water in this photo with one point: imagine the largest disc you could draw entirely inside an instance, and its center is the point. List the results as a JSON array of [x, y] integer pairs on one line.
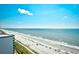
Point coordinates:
[[69, 36]]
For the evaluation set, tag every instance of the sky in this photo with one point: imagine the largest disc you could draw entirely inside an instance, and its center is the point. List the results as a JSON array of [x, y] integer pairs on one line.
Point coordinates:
[[39, 15]]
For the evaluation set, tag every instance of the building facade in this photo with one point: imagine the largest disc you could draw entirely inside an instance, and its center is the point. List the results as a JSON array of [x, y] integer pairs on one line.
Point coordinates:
[[7, 44]]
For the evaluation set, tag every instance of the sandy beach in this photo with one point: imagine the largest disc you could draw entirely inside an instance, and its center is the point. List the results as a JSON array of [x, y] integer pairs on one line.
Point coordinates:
[[43, 46]]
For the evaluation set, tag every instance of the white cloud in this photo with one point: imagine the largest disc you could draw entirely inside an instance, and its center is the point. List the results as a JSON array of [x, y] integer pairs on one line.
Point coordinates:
[[23, 11]]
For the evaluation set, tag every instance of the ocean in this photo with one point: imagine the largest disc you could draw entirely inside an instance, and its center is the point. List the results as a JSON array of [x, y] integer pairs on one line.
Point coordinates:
[[68, 36]]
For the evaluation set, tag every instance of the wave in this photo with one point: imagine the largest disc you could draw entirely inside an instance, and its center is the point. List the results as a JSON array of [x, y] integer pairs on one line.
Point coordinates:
[[48, 40], [57, 42]]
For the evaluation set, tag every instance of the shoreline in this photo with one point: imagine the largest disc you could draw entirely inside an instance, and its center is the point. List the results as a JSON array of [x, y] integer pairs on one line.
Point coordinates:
[[44, 46]]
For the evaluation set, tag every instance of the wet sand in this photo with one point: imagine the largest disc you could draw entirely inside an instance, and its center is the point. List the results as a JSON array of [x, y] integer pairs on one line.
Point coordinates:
[[43, 46]]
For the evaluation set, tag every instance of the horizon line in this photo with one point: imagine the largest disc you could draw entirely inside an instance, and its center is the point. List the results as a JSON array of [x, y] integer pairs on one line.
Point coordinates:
[[43, 28]]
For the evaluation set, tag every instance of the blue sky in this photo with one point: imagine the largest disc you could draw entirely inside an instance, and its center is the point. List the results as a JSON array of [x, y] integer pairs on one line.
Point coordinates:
[[39, 15]]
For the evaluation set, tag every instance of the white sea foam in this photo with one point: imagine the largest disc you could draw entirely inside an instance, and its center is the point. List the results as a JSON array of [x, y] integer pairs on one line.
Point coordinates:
[[47, 40], [57, 42]]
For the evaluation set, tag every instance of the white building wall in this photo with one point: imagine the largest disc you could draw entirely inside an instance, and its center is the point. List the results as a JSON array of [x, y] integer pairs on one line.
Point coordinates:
[[6, 45]]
